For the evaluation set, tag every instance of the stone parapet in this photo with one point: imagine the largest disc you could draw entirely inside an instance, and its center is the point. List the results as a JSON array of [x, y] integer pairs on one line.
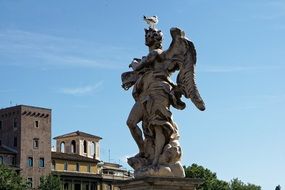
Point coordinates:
[[160, 183]]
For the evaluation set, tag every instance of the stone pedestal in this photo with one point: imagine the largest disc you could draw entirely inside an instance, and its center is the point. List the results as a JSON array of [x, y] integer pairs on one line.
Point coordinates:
[[160, 183]]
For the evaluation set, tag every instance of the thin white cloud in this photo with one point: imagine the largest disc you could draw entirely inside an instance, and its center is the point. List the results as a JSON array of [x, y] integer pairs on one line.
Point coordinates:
[[269, 10], [229, 69], [253, 102], [7, 90], [83, 90], [75, 61], [269, 17], [266, 98], [81, 106], [263, 10], [24, 48]]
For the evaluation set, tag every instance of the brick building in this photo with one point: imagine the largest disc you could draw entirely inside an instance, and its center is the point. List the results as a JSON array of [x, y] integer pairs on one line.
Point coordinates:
[[25, 141], [25, 146]]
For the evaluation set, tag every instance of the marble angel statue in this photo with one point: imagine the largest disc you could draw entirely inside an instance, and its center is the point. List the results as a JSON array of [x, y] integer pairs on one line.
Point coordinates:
[[154, 92]]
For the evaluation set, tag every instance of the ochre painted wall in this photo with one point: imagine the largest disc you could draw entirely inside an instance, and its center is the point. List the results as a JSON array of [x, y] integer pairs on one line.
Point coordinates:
[[71, 166]]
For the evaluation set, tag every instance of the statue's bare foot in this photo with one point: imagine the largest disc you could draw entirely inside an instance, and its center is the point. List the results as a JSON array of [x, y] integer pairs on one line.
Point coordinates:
[[155, 167], [155, 162]]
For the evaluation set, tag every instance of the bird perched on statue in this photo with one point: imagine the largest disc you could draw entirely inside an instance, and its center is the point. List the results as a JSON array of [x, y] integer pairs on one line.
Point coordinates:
[[151, 21]]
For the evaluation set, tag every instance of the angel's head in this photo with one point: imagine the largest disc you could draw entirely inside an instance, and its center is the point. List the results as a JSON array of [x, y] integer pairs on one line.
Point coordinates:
[[153, 38]]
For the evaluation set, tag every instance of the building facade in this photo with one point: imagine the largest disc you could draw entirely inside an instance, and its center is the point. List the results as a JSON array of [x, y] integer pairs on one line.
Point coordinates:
[[25, 140], [111, 174], [8, 157], [80, 143], [25, 146], [75, 171], [77, 162]]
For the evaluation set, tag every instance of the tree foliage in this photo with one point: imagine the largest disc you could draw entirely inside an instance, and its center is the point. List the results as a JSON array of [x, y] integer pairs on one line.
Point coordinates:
[[9, 179], [210, 178], [211, 182], [50, 182], [237, 184]]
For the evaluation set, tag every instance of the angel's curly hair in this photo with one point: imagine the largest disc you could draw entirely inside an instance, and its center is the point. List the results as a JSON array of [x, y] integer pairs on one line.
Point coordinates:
[[156, 36]]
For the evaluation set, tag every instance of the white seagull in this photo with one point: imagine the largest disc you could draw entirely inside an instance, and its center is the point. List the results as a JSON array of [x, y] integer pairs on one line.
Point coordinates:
[[151, 21]]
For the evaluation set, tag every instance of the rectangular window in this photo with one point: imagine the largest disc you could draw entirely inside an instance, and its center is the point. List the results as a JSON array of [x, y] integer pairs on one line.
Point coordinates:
[[36, 143], [89, 168], [65, 186], [77, 167], [15, 141], [15, 124], [1, 160], [0, 124], [42, 162], [65, 166], [30, 182], [13, 160], [37, 124], [93, 186], [30, 162]]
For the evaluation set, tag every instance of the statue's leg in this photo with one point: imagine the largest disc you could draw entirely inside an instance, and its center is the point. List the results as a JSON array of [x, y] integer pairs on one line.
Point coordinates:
[[134, 118], [159, 144]]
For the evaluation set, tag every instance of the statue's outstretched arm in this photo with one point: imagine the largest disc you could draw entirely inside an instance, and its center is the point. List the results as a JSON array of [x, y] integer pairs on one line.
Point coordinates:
[[130, 78], [147, 60]]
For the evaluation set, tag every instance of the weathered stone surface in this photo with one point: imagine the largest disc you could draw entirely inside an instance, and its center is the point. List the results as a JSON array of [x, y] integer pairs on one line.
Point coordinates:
[[160, 183], [154, 93]]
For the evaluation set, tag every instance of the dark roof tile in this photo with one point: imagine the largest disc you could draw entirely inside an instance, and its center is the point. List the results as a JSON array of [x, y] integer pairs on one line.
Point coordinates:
[[77, 133], [4, 150], [72, 157]]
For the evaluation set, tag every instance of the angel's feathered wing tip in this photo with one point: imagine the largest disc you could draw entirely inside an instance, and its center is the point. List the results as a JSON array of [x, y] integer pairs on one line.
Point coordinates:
[[200, 105]]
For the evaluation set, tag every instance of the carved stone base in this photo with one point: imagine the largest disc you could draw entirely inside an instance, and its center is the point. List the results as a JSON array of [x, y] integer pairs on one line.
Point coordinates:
[[160, 183]]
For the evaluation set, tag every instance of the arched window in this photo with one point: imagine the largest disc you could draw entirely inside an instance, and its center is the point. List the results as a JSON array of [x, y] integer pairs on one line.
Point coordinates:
[[62, 147], [84, 146], [92, 149], [73, 146]]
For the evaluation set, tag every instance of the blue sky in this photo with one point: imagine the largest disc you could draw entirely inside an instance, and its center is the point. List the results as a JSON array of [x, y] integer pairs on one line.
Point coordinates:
[[68, 56]]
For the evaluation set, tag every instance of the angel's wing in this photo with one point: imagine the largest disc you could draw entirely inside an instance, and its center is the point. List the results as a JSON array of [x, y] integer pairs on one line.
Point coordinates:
[[183, 53]]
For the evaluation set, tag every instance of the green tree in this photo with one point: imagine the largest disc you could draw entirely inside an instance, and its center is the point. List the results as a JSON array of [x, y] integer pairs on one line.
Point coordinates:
[[237, 184], [9, 179], [211, 182], [50, 182]]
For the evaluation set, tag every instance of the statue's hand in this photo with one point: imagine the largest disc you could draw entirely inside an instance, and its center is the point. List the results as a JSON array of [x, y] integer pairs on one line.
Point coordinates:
[[136, 64], [137, 59], [144, 58], [177, 93]]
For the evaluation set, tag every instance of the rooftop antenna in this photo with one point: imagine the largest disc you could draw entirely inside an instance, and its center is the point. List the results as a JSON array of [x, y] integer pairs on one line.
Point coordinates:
[[109, 155]]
